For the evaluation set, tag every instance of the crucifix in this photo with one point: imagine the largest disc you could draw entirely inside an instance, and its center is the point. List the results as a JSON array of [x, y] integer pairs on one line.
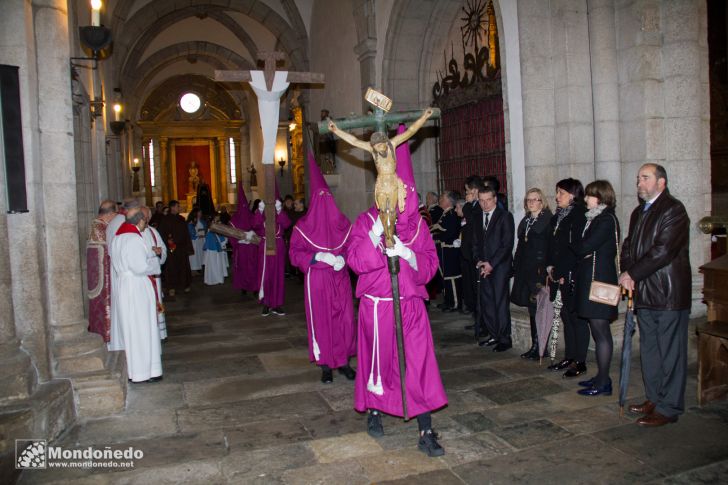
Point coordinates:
[[389, 190], [269, 85]]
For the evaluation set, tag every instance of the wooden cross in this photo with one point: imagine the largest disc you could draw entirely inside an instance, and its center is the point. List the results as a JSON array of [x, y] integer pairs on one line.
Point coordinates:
[[269, 87]]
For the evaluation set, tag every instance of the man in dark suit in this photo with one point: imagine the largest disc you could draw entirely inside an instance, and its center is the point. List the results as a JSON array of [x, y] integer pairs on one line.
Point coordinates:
[[492, 249], [471, 216]]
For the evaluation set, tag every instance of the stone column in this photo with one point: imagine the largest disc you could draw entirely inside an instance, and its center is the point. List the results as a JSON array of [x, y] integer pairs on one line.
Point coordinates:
[[224, 171], [164, 169], [605, 93], [238, 166], [366, 50], [244, 156]]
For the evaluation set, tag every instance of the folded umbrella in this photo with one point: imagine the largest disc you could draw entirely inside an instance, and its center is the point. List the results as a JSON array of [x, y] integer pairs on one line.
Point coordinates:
[[544, 319], [629, 329], [556, 324]]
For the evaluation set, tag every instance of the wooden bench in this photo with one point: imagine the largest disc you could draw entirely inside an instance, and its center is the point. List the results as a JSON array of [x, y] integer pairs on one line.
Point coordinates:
[[712, 361]]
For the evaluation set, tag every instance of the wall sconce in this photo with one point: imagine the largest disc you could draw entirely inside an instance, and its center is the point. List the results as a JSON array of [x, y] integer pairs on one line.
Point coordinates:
[[135, 167], [95, 38], [96, 106], [280, 155]]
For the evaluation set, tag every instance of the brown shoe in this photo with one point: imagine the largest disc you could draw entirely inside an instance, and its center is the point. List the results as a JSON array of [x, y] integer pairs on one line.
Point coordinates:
[[646, 407], [656, 419]]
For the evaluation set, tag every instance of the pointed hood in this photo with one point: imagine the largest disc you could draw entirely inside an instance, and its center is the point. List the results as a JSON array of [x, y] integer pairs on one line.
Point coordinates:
[[408, 220], [324, 225], [242, 216]]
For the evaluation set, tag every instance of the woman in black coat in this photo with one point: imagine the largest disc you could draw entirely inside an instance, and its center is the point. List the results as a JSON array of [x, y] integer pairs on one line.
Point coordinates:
[[529, 263], [567, 226], [597, 261]]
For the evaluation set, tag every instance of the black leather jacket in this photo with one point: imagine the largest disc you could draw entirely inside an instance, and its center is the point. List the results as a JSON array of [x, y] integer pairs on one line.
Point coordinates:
[[656, 255]]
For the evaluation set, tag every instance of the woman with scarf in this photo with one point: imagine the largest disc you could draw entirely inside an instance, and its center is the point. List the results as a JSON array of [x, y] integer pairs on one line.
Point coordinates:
[[529, 263], [567, 226], [597, 261]]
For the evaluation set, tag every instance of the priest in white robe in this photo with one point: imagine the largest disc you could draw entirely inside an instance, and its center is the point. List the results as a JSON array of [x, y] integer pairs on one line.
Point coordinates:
[[134, 300], [156, 246]]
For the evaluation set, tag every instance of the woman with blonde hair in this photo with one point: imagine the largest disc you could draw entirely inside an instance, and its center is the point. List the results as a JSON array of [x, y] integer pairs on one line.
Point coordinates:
[[529, 262]]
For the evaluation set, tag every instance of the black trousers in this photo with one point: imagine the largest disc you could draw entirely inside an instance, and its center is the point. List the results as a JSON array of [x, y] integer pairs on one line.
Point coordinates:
[[495, 308], [469, 282], [664, 356]]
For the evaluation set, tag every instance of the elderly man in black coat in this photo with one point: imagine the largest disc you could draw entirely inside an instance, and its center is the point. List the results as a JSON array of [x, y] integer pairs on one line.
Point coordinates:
[[656, 264]]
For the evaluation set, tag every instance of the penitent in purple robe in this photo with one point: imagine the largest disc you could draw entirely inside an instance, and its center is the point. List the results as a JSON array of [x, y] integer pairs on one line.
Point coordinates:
[[327, 292], [245, 256], [377, 379], [377, 383], [271, 269]]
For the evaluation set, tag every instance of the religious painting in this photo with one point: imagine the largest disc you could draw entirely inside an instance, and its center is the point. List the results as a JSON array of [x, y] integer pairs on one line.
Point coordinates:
[[192, 163]]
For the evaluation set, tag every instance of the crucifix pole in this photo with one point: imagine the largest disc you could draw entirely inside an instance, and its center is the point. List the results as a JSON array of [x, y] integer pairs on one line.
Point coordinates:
[[269, 85]]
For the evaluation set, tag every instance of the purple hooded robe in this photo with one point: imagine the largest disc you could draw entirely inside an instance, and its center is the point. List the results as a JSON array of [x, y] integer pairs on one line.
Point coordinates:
[[377, 383], [271, 269], [245, 256], [327, 292]]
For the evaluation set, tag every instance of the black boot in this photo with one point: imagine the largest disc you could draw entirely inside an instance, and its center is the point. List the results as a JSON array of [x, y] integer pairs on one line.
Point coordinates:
[[327, 377], [374, 424]]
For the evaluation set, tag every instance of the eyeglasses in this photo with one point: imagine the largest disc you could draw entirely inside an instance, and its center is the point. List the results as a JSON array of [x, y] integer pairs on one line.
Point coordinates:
[[533, 200]]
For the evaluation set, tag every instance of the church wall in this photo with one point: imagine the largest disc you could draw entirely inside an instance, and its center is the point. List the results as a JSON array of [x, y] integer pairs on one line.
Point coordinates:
[[332, 51]]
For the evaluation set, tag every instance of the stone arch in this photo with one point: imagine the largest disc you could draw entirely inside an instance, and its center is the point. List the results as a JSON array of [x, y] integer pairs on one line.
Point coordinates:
[[138, 30], [407, 64], [217, 56]]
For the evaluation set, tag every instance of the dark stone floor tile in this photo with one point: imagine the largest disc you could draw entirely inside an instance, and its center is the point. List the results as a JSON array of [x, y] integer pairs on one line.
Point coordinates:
[[550, 463], [215, 353], [233, 415], [665, 447], [475, 422], [462, 379], [437, 477], [178, 371], [335, 423], [266, 434], [189, 330], [531, 433], [241, 465], [709, 474], [520, 390]]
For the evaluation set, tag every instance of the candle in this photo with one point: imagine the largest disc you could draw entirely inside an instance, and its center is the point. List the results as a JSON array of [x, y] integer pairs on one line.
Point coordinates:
[[117, 111], [95, 13]]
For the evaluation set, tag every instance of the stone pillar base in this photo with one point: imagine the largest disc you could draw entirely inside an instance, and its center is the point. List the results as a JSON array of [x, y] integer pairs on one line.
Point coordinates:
[[43, 415], [17, 374]]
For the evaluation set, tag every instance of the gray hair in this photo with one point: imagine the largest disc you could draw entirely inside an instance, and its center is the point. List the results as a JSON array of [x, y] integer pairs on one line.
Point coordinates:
[[131, 203], [135, 218]]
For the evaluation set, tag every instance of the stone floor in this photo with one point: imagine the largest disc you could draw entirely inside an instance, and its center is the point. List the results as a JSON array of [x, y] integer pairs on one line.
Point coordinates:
[[240, 403]]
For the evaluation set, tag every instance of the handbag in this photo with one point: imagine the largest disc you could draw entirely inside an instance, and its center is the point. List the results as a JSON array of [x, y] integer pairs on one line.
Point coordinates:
[[606, 293]]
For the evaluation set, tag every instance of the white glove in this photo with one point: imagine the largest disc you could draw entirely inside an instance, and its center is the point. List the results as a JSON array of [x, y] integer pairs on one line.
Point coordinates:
[[339, 264], [261, 206], [327, 258], [279, 206], [243, 241], [457, 243], [403, 252], [376, 232]]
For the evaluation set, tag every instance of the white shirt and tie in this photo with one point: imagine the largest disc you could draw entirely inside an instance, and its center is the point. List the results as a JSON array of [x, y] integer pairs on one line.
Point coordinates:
[[487, 218]]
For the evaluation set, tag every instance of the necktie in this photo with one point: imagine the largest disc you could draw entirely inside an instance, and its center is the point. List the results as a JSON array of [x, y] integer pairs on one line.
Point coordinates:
[[487, 220], [647, 206]]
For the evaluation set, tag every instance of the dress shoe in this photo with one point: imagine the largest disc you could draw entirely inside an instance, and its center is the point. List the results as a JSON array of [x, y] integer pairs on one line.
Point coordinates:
[[488, 342], [501, 347], [656, 419], [647, 407], [327, 377], [464, 311], [586, 383], [278, 311], [374, 425], [597, 391], [575, 369], [531, 354], [447, 309], [440, 306], [266, 311], [560, 365], [155, 379], [348, 372]]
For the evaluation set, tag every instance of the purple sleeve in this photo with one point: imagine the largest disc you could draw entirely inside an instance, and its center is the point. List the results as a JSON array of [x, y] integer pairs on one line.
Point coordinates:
[[257, 223], [424, 249], [302, 254], [361, 255], [283, 220]]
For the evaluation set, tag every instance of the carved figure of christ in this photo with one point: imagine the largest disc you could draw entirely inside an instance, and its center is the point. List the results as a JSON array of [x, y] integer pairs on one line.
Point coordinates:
[[389, 191]]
